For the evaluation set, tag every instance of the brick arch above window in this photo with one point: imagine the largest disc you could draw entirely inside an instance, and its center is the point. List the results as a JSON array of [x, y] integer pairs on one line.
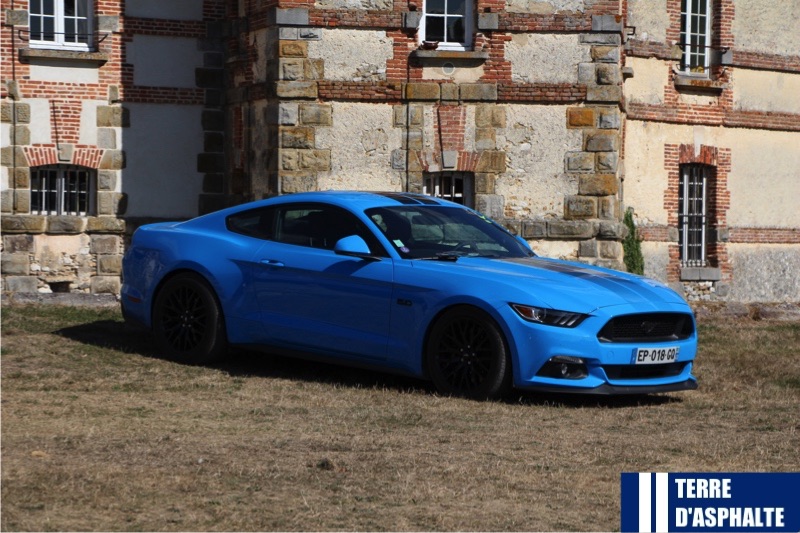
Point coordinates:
[[82, 156]]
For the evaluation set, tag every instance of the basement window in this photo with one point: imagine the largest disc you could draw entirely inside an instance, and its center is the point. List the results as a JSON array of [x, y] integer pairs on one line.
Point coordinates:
[[454, 186], [62, 190]]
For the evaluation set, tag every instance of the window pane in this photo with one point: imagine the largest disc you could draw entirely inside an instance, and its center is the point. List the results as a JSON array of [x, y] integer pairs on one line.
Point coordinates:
[[456, 7], [49, 30], [435, 6], [455, 29], [434, 29], [69, 8], [36, 28], [36, 7], [49, 7]]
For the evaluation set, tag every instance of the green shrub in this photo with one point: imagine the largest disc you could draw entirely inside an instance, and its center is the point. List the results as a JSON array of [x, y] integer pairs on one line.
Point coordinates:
[[632, 246]]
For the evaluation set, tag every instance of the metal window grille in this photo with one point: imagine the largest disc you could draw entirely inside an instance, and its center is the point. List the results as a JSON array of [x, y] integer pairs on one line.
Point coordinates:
[[453, 186], [693, 217], [695, 36], [60, 23], [448, 23], [62, 191]]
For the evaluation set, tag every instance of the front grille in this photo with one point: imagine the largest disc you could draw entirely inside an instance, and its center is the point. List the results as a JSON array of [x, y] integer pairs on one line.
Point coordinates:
[[650, 327], [621, 372]]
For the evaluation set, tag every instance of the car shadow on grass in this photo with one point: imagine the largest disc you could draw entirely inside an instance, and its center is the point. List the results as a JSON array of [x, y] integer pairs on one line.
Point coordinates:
[[244, 363]]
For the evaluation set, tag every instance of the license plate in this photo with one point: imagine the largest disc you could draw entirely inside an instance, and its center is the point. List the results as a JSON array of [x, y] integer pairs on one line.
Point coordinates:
[[656, 356]]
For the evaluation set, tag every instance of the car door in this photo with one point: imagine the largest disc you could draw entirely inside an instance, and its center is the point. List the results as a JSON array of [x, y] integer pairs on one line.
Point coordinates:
[[311, 298]]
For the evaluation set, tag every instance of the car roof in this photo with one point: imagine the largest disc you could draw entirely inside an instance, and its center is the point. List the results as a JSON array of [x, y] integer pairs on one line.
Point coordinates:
[[364, 199]]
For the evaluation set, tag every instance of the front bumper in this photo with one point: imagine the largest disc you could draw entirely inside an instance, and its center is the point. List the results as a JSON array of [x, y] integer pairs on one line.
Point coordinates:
[[606, 389]]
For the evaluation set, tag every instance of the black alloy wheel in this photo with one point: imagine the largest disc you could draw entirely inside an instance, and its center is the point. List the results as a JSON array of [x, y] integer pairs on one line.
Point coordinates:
[[467, 355], [187, 321]]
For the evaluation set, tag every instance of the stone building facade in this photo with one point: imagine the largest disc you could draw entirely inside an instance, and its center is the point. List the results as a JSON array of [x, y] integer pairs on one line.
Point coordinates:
[[551, 116]]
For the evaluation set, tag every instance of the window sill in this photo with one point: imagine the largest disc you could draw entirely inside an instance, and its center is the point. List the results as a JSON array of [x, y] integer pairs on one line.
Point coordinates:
[[699, 84], [700, 274], [449, 55], [28, 54]]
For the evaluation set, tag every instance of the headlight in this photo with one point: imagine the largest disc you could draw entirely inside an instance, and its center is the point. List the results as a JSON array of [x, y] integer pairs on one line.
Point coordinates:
[[550, 317]]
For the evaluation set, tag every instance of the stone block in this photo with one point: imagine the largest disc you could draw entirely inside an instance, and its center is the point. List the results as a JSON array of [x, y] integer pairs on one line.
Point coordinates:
[[488, 21], [23, 113], [422, 91], [109, 264], [106, 180], [607, 23], [297, 137], [23, 224], [598, 185], [105, 225], [291, 69], [534, 229], [290, 160], [210, 163], [293, 16], [586, 73], [288, 34], [491, 205], [607, 74], [6, 201], [18, 243], [209, 78], [106, 285], [22, 178], [485, 183], [105, 244], [316, 114], [22, 201], [612, 230], [493, 161], [304, 182], [479, 92], [570, 229], [579, 207], [65, 152], [18, 264], [309, 34], [319, 160], [314, 69], [296, 89], [21, 134], [609, 119], [110, 203], [412, 115], [608, 208], [604, 93], [450, 92], [605, 54], [610, 39], [108, 23], [10, 155], [66, 224], [214, 183], [399, 159], [610, 249], [411, 20], [580, 117], [587, 248], [580, 161], [212, 120], [449, 159], [288, 113], [413, 140], [107, 138], [21, 284], [602, 141], [113, 117], [485, 139], [298, 49], [607, 161], [6, 112], [213, 141], [15, 17]]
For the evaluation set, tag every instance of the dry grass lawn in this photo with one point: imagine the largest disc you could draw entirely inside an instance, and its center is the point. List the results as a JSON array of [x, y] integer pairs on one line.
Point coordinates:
[[100, 434]]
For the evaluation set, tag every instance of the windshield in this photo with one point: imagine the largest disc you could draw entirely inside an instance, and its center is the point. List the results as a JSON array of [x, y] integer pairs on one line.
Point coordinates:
[[429, 232]]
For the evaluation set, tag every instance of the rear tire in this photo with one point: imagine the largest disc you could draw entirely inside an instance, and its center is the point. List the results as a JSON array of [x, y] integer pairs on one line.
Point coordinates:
[[187, 321], [466, 355]]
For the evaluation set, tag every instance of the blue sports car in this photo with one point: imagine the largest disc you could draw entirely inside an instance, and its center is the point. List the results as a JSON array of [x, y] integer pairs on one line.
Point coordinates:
[[405, 283]]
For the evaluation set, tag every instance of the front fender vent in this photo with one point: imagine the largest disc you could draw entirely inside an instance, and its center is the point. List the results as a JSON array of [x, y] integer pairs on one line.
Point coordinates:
[[649, 327]]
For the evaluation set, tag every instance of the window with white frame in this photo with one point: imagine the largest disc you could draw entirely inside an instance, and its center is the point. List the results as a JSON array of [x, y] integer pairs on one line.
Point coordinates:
[[693, 216], [454, 186], [60, 24], [448, 23], [695, 36], [62, 190]]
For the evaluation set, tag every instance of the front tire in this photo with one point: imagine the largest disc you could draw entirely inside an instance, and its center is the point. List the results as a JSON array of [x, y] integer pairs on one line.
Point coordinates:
[[467, 356], [187, 321]]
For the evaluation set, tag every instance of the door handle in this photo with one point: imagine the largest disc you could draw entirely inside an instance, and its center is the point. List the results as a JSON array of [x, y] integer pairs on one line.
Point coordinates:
[[272, 263]]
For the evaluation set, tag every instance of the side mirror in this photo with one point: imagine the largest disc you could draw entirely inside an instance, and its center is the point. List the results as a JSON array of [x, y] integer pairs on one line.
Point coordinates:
[[354, 246]]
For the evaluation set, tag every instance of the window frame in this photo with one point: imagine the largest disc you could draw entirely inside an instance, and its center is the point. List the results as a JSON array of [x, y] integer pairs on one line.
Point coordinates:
[[701, 50], [467, 16], [61, 37], [432, 185], [57, 192], [693, 214]]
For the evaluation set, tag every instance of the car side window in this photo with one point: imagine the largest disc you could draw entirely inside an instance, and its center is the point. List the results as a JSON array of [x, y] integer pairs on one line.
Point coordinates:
[[320, 226], [258, 223]]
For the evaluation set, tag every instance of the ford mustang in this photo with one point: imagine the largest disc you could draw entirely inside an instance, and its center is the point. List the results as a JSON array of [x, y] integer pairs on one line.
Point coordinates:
[[405, 283]]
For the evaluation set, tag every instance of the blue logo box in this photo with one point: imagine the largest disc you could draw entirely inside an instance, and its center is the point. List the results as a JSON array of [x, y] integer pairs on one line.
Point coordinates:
[[735, 502]]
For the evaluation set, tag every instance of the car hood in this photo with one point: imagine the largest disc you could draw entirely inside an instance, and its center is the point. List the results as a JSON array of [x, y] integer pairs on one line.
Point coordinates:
[[565, 285]]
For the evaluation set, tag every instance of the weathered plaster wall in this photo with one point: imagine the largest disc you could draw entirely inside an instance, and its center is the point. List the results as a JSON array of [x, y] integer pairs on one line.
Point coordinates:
[[764, 181], [768, 27], [536, 140], [164, 61], [161, 177], [781, 97], [651, 19], [757, 266], [40, 120], [57, 71], [354, 55], [656, 256], [540, 57], [361, 141], [544, 6], [648, 81], [557, 249]]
